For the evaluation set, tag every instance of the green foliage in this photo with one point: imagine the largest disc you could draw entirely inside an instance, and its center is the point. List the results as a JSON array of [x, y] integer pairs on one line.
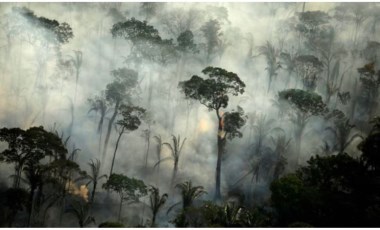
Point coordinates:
[[131, 117], [146, 41], [308, 67], [308, 103], [189, 193], [29, 147], [290, 197], [135, 31], [310, 21], [94, 177], [212, 34], [209, 214], [213, 92], [156, 201], [122, 87], [326, 192], [370, 147], [273, 65], [233, 121], [59, 33], [186, 42], [129, 189]]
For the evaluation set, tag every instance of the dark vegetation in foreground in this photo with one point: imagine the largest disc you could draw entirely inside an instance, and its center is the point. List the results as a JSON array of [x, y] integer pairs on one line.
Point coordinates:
[[330, 191], [339, 186]]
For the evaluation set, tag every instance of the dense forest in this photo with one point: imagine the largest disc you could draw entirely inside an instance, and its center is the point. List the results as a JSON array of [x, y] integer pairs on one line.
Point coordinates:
[[189, 114]]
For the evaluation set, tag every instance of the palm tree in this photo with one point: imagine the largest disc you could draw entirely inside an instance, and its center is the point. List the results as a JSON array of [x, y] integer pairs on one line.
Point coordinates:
[[158, 152], [263, 128], [189, 194], [250, 124], [156, 202], [175, 149], [270, 54], [77, 63], [342, 132], [99, 105], [94, 177]]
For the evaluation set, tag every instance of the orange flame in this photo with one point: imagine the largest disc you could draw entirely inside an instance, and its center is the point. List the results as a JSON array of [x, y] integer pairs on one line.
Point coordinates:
[[82, 191]]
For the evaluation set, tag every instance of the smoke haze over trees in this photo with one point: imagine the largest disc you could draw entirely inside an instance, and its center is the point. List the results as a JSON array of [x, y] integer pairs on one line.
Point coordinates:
[[189, 114]]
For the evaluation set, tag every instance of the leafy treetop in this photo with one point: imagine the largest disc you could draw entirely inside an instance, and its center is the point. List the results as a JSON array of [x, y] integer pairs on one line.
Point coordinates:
[[57, 32], [213, 92], [132, 116], [304, 101], [135, 31], [128, 188]]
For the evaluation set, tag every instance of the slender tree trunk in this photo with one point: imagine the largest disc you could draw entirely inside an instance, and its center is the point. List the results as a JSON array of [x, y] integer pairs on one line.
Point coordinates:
[[76, 84], [16, 181], [153, 220], [147, 149], [93, 191], [30, 205], [114, 153], [298, 139], [221, 145], [110, 123], [120, 206], [175, 169]]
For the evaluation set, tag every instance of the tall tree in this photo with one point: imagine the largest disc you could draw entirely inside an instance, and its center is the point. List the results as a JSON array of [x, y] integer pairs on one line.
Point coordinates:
[[273, 65], [29, 145], [156, 202], [214, 93], [117, 92], [308, 67], [301, 106], [188, 193], [211, 32], [99, 104], [94, 177], [131, 120], [175, 150]]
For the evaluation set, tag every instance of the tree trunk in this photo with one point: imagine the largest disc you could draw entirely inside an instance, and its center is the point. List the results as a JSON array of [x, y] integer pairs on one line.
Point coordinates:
[[114, 153], [153, 220], [120, 206], [298, 138], [147, 149], [175, 169], [110, 123], [221, 146], [93, 191], [30, 205]]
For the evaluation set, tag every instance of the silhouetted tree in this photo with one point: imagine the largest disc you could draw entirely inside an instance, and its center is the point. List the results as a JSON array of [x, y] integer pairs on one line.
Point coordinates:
[[273, 65], [211, 32], [189, 194], [308, 68], [214, 94], [131, 120], [94, 177], [156, 202], [175, 150], [98, 104], [302, 105], [117, 92], [129, 189]]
